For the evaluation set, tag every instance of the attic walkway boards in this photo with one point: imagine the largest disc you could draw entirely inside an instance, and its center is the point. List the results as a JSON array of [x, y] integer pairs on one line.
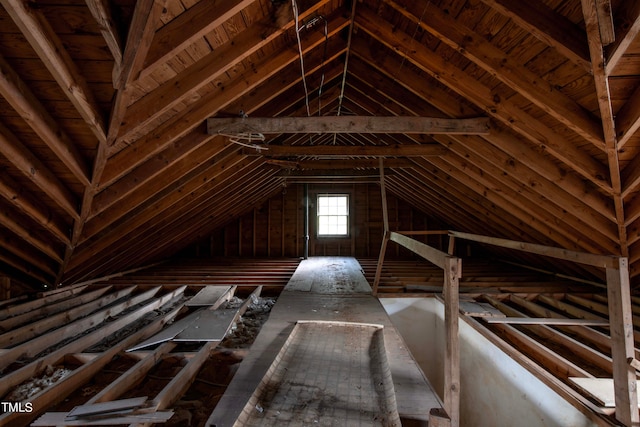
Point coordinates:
[[327, 289]]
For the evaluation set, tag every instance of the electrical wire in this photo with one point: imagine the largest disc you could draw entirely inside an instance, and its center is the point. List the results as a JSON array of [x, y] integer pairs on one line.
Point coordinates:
[[296, 17]]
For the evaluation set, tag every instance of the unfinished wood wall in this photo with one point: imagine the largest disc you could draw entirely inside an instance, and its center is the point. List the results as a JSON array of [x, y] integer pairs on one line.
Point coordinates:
[[276, 228]]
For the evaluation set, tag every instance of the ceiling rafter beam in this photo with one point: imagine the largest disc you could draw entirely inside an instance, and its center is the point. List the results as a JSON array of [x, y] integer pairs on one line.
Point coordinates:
[[45, 246], [16, 93], [601, 81], [141, 31], [628, 25], [29, 165], [605, 22], [194, 116], [101, 12], [340, 164], [628, 119], [186, 28], [22, 200], [174, 91], [341, 151], [485, 98], [53, 54], [348, 125], [547, 26], [503, 67]]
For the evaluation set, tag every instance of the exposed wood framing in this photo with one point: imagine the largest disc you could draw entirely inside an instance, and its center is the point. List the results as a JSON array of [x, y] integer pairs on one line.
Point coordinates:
[[348, 124], [59, 63], [353, 151]]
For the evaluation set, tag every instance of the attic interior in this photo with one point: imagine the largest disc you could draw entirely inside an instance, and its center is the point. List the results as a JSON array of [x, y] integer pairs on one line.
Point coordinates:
[[152, 149]]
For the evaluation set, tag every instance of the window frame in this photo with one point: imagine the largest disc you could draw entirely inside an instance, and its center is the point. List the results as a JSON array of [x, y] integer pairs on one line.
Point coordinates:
[[347, 215]]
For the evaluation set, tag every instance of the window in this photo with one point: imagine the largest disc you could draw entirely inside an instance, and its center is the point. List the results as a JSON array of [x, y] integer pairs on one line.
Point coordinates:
[[333, 215]]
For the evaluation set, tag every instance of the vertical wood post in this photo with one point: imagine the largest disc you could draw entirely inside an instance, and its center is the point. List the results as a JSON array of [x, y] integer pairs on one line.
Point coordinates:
[[5, 288], [622, 345], [385, 237], [452, 272]]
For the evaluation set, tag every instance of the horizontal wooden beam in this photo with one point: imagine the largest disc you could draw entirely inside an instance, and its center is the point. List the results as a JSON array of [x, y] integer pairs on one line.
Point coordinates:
[[547, 321], [341, 164], [348, 124], [351, 150], [604, 261]]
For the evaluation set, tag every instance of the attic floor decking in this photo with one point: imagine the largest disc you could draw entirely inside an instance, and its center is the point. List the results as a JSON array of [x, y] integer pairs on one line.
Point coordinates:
[[328, 289]]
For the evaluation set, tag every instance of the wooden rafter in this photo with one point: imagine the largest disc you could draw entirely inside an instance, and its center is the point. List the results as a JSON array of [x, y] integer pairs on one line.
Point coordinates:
[[348, 124], [152, 106], [13, 149], [53, 54], [474, 47], [101, 11], [470, 88], [24, 101], [628, 26], [605, 21], [606, 113], [141, 32], [548, 26], [192, 24], [35, 209], [628, 119]]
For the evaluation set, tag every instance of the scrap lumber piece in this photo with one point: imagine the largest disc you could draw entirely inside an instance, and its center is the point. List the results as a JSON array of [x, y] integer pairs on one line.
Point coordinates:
[[209, 296], [168, 333], [209, 325], [104, 408], [479, 309], [59, 418], [600, 389]]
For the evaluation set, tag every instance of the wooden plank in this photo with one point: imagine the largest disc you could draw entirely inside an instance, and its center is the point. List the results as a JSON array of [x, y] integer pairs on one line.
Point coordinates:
[[209, 295], [600, 389], [347, 125], [103, 408], [210, 325], [452, 273], [605, 261], [101, 12], [432, 255], [169, 333], [480, 309], [59, 418], [547, 321]]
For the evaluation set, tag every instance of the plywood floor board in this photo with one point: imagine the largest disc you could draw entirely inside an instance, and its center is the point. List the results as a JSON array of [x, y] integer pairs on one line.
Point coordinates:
[[207, 296], [414, 395]]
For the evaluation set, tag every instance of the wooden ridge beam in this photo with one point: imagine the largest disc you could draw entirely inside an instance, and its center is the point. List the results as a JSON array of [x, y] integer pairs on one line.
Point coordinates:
[[54, 55], [353, 150], [340, 164], [27, 105], [348, 125]]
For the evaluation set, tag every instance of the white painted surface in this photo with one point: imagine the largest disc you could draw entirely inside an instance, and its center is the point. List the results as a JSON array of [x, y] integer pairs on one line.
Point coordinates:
[[495, 389]]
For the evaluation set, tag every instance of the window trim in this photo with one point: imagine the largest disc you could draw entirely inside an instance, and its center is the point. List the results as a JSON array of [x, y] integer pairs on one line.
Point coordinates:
[[348, 215]]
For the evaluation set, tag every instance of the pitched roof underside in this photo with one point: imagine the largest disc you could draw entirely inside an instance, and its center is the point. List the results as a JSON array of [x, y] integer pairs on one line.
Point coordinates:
[[106, 162]]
